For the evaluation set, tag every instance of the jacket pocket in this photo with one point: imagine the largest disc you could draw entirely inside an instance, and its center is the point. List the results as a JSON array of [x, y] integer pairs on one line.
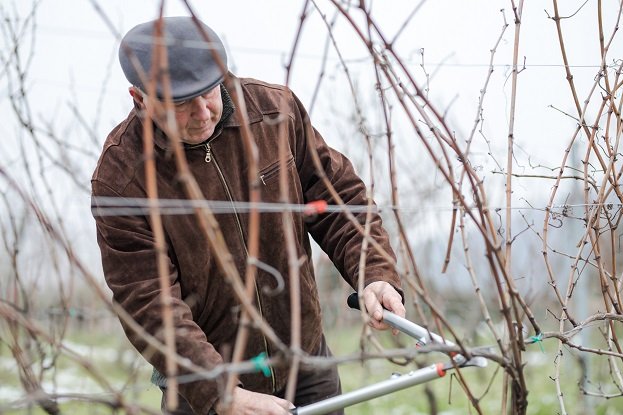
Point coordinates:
[[271, 172]]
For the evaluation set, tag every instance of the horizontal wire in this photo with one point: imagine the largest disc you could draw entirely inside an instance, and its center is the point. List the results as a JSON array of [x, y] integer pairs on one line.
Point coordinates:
[[106, 206], [278, 52], [115, 206], [201, 44]]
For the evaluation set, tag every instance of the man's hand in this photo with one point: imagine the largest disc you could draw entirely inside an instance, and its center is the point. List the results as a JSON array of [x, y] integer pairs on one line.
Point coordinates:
[[245, 402], [379, 295]]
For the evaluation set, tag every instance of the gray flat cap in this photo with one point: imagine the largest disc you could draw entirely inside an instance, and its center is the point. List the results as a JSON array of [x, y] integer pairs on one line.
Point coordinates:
[[193, 69]]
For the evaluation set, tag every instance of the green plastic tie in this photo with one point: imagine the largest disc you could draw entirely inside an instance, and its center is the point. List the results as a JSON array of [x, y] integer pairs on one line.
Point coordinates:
[[538, 339], [260, 365]]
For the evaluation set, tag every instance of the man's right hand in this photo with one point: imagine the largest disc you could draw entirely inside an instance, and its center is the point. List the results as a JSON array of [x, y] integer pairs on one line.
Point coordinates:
[[245, 402]]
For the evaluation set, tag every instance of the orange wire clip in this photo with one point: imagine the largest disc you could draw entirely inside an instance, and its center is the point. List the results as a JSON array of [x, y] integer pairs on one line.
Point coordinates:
[[315, 207]]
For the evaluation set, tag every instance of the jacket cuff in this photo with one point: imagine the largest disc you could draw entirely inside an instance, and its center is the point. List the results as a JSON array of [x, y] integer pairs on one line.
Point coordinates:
[[201, 395]]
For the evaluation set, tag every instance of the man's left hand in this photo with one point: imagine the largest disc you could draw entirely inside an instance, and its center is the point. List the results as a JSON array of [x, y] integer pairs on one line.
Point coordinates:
[[379, 295]]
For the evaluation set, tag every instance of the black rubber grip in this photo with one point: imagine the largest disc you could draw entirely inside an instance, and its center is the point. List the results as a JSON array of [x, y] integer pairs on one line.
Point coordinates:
[[353, 301]]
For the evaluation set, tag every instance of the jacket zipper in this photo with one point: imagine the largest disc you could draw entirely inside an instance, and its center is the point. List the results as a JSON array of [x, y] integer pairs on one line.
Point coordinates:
[[209, 158], [206, 146]]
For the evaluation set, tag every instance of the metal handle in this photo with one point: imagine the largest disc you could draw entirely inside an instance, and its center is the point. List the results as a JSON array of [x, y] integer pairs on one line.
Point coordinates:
[[395, 383], [373, 391], [419, 333]]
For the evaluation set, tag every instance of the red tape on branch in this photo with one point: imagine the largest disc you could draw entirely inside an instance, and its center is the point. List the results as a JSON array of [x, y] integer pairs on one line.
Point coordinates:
[[315, 207]]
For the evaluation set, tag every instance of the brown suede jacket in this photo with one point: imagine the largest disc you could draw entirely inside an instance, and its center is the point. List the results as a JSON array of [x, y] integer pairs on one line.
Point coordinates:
[[206, 310]]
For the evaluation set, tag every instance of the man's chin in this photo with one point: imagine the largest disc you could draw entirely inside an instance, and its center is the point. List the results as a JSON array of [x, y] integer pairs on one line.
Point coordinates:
[[198, 138]]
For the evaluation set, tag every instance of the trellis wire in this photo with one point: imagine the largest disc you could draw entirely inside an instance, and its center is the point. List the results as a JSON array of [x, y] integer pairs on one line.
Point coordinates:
[[118, 206]]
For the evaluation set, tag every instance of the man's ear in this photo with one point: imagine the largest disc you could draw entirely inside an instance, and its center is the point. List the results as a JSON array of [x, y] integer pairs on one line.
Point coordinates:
[[136, 95]]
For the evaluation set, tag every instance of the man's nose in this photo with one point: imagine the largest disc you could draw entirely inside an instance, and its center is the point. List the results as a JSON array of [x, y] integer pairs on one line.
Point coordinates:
[[199, 108]]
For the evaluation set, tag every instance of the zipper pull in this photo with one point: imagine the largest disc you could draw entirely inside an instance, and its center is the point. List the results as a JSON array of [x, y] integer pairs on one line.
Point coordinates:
[[208, 157]]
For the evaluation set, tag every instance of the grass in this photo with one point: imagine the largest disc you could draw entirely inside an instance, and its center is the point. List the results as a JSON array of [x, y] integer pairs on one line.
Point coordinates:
[[485, 384], [110, 355]]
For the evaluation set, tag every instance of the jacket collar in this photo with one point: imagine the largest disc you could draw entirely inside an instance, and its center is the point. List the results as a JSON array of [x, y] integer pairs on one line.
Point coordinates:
[[253, 110]]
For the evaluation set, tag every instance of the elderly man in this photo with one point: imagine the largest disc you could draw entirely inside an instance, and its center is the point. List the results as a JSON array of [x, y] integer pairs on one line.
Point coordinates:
[[205, 308]]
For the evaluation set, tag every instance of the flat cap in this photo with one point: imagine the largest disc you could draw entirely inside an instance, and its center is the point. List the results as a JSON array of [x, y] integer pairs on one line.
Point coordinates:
[[193, 69]]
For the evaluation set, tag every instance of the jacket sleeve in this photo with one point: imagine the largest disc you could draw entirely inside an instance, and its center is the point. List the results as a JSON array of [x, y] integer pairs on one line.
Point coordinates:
[[130, 269], [334, 232]]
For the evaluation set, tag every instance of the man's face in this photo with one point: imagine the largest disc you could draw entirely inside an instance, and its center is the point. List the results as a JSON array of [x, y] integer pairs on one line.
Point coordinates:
[[196, 118]]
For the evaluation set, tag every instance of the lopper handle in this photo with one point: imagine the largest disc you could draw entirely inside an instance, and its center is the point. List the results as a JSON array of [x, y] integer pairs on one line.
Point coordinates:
[[408, 327]]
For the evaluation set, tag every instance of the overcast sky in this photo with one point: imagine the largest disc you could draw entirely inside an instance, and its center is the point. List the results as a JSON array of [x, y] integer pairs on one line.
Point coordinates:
[[76, 53], [75, 62]]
